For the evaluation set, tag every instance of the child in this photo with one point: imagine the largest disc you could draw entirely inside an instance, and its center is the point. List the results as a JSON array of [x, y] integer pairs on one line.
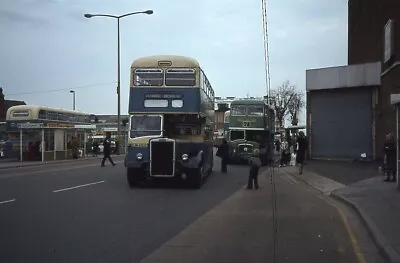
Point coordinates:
[[255, 165]]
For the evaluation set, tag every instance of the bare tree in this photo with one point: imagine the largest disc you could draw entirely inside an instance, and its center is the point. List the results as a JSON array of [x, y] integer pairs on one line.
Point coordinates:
[[281, 99], [295, 106]]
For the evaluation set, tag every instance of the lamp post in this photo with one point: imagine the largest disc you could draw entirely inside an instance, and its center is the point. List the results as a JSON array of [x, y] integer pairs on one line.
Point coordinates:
[[147, 12], [73, 98]]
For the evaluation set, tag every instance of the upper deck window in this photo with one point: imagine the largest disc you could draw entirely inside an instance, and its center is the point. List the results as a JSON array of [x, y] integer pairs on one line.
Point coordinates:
[[51, 115], [42, 114], [20, 113], [256, 111], [148, 77], [238, 111], [180, 77]]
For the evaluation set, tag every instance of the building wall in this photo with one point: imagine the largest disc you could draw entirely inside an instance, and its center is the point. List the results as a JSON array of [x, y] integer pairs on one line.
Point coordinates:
[[344, 76], [386, 121], [219, 120], [366, 21], [341, 110]]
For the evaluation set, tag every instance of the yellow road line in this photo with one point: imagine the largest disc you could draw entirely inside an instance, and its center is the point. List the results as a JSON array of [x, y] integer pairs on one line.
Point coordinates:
[[354, 241]]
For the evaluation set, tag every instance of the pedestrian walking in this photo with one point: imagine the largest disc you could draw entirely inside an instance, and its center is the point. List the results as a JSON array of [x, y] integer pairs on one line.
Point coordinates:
[[95, 147], [107, 150], [277, 146], [390, 157], [255, 164], [302, 146], [223, 153], [284, 152]]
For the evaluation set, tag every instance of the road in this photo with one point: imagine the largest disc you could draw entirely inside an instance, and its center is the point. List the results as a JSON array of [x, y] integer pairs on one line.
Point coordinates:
[[85, 213]]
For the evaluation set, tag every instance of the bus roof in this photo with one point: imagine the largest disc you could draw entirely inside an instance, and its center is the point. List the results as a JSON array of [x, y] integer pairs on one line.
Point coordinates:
[[38, 108], [248, 102], [177, 61]]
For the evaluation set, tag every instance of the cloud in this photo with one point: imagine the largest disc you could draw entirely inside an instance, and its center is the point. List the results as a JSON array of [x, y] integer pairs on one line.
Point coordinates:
[[21, 17], [226, 36]]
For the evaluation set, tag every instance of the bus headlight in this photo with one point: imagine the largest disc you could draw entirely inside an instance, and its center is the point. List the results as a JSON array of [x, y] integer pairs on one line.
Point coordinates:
[[185, 157], [139, 156]]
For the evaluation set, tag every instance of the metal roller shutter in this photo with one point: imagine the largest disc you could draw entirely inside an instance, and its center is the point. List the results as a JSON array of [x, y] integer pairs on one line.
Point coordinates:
[[341, 123]]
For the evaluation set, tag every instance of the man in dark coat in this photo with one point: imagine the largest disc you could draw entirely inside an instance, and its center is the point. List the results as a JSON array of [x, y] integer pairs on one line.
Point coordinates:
[[390, 156], [107, 150], [223, 153], [302, 146]]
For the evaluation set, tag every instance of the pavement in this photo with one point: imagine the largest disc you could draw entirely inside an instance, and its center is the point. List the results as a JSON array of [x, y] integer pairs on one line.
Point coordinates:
[[361, 187], [80, 212], [309, 228], [344, 172], [378, 203]]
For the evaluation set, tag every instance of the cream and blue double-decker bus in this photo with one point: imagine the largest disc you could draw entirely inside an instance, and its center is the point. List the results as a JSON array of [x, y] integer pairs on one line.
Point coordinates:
[[171, 108]]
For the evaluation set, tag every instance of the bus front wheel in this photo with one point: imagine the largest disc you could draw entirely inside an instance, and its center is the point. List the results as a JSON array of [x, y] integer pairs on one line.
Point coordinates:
[[198, 178], [134, 177]]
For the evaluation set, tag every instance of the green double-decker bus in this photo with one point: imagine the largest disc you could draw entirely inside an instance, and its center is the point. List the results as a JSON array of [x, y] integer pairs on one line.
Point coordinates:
[[251, 126]]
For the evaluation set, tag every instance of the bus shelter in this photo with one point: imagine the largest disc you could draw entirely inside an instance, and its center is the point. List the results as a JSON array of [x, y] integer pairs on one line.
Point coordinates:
[[395, 101], [53, 140]]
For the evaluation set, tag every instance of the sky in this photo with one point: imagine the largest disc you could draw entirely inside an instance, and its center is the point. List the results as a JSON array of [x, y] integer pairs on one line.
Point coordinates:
[[48, 47]]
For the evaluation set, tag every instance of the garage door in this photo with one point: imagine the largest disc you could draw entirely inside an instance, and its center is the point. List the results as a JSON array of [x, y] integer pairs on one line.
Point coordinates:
[[341, 123]]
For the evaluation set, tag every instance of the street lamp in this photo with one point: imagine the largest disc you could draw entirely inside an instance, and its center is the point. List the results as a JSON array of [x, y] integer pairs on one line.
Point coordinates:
[[73, 98], [147, 12]]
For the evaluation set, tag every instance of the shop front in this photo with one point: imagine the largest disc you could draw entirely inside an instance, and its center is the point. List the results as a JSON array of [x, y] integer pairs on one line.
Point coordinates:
[[42, 141]]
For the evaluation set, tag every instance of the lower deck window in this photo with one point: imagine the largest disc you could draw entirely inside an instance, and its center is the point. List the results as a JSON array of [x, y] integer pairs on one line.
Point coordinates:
[[236, 135], [145, 125]]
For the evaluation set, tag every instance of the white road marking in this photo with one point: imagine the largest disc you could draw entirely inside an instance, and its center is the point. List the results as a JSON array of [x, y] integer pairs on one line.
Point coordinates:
[[7, 201], [78, 186]]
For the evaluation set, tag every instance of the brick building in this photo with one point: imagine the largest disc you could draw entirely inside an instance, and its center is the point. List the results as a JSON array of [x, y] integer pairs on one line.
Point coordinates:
[[348, 107], [366, 21], [6, 104]]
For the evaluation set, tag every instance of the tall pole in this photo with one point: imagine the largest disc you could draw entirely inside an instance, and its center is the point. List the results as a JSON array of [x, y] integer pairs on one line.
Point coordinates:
[[118, 91], [73, 98], [73, 102], [147, 12]]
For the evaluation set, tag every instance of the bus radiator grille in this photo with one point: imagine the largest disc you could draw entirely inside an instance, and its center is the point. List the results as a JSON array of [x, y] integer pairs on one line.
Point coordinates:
[[162, 158]]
